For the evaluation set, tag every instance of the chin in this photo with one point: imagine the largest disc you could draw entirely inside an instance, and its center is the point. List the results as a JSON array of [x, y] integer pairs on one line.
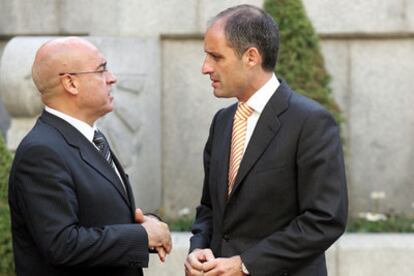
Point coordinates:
[[220, 94], [107, 110]]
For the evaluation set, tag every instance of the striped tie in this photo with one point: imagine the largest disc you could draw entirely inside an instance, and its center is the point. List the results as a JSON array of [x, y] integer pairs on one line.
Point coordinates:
[[102, 144], [100, 141], [237, 141]]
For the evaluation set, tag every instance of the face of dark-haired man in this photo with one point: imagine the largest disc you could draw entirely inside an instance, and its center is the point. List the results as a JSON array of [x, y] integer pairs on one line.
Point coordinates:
[[228, 71]]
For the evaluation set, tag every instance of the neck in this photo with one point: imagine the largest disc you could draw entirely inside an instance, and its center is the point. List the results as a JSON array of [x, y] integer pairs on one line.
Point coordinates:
[[72, 112], [257, 82]]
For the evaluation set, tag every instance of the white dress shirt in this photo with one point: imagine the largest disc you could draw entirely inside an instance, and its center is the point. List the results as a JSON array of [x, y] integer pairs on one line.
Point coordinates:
[[258, 102]]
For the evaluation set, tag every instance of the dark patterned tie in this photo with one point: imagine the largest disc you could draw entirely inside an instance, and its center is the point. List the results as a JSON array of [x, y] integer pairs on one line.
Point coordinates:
[[100, 141]]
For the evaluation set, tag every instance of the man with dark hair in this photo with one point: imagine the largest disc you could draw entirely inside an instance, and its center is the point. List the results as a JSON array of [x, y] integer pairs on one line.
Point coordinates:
[[274, 195], [72, 207]]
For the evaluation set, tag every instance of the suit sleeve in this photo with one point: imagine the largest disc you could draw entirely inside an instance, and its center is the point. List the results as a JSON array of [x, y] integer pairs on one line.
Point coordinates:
[[321, 197], [203, 225], [47, 199]]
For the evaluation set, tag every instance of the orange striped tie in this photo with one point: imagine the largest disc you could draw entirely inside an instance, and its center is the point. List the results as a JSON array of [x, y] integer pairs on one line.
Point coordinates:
[[237, 140]]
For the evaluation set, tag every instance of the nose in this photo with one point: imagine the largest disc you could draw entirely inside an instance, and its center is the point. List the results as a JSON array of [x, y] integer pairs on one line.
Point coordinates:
[[206, 67], [110, 78]]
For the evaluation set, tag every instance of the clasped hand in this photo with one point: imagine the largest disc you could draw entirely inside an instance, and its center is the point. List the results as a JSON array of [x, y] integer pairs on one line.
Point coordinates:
[[159, 236], [202, 262]]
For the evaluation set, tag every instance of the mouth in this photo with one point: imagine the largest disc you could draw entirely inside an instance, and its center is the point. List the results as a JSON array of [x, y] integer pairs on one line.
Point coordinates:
[[214, 83]]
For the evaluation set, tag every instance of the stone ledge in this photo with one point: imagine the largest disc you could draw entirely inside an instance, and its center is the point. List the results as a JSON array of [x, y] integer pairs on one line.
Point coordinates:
[[351, 255]]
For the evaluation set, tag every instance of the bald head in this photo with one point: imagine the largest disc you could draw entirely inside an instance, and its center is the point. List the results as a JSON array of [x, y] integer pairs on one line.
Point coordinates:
[[57, 56]]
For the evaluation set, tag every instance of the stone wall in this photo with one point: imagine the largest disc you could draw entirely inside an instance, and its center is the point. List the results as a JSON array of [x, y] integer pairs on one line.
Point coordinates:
[[368, 47]]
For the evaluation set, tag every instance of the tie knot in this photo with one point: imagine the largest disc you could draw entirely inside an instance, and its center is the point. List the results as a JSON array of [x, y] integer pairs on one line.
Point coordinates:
[[243, 111]]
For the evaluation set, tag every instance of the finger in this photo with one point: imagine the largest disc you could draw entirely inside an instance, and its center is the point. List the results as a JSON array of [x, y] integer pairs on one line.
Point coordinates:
[[161, 253], [209, 255], [212, 272], [139, 215], [194, 261], [210, 265], [168, 244], [189, 271]]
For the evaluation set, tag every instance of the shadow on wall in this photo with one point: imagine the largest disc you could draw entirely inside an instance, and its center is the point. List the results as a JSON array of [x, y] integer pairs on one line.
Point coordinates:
[[4, 120]]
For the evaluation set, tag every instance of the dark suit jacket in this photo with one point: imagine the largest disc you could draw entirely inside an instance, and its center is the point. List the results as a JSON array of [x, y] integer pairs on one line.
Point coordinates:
[[289, 201], [70, 214]]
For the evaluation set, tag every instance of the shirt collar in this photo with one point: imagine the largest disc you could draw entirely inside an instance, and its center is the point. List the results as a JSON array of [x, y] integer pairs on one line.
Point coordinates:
[[81, 126], [259, 99]]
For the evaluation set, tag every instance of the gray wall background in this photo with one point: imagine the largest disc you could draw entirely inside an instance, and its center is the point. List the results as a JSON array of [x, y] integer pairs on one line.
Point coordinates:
[[368, 47]]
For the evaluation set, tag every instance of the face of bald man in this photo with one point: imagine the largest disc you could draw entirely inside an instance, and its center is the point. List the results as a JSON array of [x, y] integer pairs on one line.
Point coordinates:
[[71, 74]]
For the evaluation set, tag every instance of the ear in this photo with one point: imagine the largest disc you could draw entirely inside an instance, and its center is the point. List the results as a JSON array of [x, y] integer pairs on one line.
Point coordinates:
[[70, 84], [252, 57]]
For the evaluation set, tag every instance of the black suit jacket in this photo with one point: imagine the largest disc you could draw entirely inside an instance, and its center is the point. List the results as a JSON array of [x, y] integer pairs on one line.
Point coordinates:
[[70, 214], [289, 201]]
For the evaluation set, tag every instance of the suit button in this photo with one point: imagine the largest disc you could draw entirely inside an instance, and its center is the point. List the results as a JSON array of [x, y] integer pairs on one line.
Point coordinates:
[[226, 237]]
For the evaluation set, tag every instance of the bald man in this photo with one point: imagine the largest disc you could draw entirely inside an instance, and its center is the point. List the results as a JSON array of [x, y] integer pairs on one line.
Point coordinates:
[[72, 207]]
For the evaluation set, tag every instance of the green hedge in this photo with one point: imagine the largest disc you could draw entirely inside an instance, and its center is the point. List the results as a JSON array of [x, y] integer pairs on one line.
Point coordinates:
[[300, 61], [6, 255]]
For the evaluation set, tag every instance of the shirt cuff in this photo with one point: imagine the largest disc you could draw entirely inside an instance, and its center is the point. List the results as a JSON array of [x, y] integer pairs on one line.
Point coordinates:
[[244, 269]]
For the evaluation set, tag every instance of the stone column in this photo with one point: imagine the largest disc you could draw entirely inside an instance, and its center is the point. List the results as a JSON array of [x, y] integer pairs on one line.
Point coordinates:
[[17, 90]]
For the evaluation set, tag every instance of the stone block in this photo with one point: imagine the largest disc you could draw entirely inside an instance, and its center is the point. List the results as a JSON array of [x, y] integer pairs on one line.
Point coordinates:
[[145, 18], [188, 106], [336, 57], [409, 12], [337, 61], [381, 125], [80, 17], [19, 17], [332, 262], [359, 16], [376, 254]]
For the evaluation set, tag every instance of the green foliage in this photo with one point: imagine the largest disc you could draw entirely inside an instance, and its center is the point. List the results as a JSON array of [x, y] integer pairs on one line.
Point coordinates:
[[182, 224], [6, 254], [395, 223], [300, 61]]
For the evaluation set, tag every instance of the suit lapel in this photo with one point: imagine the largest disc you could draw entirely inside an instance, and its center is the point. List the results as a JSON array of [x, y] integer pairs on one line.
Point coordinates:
[[224, 145], [264, 132], [87, 151], [127, 184]]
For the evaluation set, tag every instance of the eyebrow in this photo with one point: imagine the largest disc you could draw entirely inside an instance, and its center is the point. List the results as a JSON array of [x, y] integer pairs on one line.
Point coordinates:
[[214, 54], [103, 65]]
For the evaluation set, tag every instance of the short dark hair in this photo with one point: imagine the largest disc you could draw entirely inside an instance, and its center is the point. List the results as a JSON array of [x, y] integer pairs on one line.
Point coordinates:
[[248, 26]]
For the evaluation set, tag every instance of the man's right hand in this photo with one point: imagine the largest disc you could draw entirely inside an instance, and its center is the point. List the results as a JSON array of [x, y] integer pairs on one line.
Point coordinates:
[[194, 262], [159, 236]]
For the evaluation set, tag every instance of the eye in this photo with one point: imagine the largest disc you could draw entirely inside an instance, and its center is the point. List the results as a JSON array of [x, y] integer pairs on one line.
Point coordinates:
[[215, 57], [104, 69]]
